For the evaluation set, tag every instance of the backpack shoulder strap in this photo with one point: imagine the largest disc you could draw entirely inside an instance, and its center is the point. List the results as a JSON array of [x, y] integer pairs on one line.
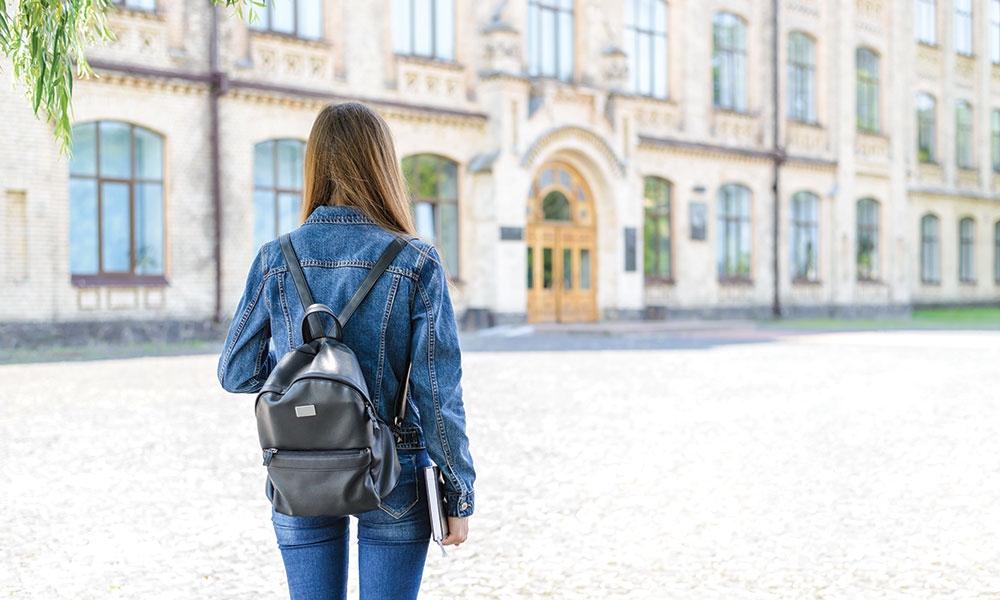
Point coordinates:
[[299, 279]]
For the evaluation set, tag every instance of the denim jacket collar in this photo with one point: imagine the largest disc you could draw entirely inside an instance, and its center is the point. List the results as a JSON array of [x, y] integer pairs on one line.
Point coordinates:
[[338, 214]]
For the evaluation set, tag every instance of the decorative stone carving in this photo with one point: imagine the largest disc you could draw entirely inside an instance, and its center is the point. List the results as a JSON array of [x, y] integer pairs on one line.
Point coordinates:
[[429, 80], [928, 61], [804, 138], [293, 62], [872, 147], [742, 129], [502, 48], [931, 173], [869, 10], [968, 178], [965, 69], [655, 117], [615, 67], [809, 7]]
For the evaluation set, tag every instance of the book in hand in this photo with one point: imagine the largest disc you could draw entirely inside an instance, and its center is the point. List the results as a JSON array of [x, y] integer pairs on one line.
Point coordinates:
[[435, 505]]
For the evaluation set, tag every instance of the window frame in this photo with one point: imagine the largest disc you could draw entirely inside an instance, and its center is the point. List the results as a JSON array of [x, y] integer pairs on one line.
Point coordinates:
[[649, 34], [996, 252], [728, 72], [130, 277], [995, 31], [866, 207], [920, 26], [867, 66], [967, 250], [536, 36], [965, 154], [995, 139], [930, 250], [964, 28], [435, 53], [926, 127], [657, 213], [275, 190], [805, 222], [267, 19], [801, 77], [734, 223], [410, 175]]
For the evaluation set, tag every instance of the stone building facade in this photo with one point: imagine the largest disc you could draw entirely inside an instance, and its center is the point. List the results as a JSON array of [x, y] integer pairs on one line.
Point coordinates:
[[572, 159]]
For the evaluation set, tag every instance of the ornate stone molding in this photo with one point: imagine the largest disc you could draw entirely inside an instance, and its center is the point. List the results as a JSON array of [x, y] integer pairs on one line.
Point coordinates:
[[577, 136], [808, 7], [431, 81], [930, 173], [289, 59], [928, 61], [965, 69], [808, 139], [871, 147], [741, 128], [968, 178]]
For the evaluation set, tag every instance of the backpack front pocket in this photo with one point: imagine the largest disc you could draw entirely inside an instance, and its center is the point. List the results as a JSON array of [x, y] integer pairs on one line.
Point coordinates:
[[308, 483]]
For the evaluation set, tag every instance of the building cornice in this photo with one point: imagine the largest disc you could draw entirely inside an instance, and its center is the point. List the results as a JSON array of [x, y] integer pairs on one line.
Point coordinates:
[[584, 136], [964, 194]]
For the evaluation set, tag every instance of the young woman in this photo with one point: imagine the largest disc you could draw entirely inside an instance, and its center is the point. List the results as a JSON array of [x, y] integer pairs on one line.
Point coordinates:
[[354, 205]]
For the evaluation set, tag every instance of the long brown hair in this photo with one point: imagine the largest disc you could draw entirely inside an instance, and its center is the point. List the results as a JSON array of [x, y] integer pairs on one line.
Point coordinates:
[[351, 161]]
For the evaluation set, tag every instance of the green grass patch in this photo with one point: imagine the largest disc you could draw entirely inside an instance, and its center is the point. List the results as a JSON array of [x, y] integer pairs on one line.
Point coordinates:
[[972, 314], [972, 317]]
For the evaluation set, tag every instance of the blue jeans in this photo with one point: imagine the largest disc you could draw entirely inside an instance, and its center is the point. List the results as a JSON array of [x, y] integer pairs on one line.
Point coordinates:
[[392, 544]]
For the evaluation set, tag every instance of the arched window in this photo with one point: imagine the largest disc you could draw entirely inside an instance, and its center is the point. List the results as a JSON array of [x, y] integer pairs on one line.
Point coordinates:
[[550, 39], [729, 62], [735, 241], [646, 46], [300, 18], [656, 229], [930, 250], [868, 239], [801, 77], [867, 89], [963, 135], [805, 236], [433, 185], [925, 22], [967, 250], [116, 203], [926, 127], [963, 27], [277, 188], [424, 28]]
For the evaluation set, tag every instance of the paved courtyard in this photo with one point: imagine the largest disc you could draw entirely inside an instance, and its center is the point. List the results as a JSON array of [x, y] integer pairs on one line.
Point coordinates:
[[708, 466]]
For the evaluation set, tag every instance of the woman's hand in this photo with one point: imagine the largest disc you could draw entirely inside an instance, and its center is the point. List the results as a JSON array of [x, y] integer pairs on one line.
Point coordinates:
[[458, 531]]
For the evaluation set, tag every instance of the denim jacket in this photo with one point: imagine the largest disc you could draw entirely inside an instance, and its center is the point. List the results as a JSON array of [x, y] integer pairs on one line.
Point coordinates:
[[407, 315]]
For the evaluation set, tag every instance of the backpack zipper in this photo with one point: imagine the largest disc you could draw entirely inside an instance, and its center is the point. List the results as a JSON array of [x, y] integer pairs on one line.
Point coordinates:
[[268, 455]]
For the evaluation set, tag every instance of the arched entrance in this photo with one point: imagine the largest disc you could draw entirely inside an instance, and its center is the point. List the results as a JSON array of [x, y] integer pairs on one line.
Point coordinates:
[[561, 236]]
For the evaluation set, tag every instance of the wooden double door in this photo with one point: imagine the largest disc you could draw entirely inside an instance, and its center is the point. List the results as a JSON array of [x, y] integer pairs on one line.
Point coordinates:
[[561, 248]]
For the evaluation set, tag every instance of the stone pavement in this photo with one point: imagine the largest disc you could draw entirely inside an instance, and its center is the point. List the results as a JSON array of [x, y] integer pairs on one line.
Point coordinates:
[[837, 465]]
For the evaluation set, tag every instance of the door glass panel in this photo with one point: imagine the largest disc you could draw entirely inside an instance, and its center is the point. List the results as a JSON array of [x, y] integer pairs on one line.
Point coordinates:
[[585, 269], [555, 207], [567, 269], [547, 268], [531, 268]]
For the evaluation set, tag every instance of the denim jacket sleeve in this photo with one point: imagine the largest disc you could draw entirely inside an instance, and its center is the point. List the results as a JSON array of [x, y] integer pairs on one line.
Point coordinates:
[[246, 361], [436, 387]]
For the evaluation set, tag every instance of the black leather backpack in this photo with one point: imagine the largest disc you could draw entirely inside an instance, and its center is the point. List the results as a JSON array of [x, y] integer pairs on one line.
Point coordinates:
[[325, 449]]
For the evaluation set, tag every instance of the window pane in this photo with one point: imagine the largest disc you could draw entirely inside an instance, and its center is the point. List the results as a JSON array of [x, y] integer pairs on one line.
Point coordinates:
[[288, 212], [534, 57], [547, 268], [116, 223], [149, 229], [584, 269], [310, 19], [148, 155], [567, 269], [644, 51], [555, 207], [424, 215], [116, 150], [547, 39], [423, 28], [84, 159], [631, 49], [83, 258], [660, 66], [402, 43], [445, 29], [264, 224], [566, 53], [448, 186], [283, 12], [290, 167], [263, 164], [448, 246], [531, 268]]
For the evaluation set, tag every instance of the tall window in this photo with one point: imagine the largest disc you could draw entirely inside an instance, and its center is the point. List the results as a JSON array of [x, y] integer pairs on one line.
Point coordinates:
[[963, 134], [734, 238], [926, 21], [963, 27], [115, 202], [301, 18], [277, 188], [995, 31], [868, 226], [424, 28], [866, 63], [967, 250], [646, 46], [801, 77], [433, 185], [729, 62], [149, 5], [930, 250], [550, 38], [996, 252], [995, 139], [926, 128], [805, 236], [656, 227]]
